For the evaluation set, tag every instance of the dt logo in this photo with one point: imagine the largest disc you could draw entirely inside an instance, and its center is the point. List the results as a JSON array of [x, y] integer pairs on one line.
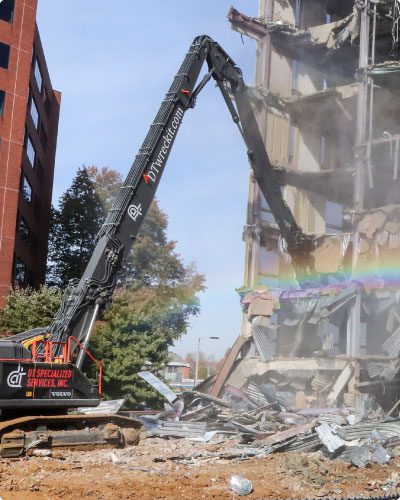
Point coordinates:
[[14, 378]]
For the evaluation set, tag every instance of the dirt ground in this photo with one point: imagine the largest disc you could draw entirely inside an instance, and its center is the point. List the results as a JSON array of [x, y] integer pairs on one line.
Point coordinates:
[[182, 469]]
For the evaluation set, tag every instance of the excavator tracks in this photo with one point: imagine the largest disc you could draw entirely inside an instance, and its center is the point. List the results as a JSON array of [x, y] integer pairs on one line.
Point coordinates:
[[21, 436]]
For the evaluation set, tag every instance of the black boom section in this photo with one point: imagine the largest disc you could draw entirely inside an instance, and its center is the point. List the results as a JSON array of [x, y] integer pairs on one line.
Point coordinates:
[[114, 241]]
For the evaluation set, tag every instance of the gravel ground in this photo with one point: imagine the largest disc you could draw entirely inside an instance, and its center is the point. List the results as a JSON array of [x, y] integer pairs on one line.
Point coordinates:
[[183, 469]]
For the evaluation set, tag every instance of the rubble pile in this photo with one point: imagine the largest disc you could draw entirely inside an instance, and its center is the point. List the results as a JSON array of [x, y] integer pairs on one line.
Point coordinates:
[[263, 427]]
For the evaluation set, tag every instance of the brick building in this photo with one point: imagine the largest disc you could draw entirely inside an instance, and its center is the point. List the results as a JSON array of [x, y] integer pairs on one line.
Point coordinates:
[[29, 111]]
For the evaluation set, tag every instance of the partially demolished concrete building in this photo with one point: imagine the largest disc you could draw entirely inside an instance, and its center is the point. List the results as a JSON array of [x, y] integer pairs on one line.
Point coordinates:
[[326, 93]]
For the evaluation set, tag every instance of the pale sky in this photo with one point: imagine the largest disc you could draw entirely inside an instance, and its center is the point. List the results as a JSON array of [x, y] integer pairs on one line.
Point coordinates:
[[113, 61]]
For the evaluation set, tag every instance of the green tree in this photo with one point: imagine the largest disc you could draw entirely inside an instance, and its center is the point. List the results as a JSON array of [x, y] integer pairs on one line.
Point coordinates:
[[27, 308], [156, 293], [75, 225], [106, 183], [140, 325], [151, 308]]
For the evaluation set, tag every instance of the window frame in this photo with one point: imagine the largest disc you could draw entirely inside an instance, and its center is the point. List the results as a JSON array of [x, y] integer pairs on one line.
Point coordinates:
[[10, 18], [34, 112], [28, 148], [7, 49], [24, 232], [37, 73], [19, 262], [25, 182]]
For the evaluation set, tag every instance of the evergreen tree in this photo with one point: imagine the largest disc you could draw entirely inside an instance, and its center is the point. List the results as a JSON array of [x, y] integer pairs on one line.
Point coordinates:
[[75, 225]]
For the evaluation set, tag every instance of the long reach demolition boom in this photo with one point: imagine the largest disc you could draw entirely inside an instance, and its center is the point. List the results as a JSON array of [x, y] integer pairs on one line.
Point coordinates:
[[119, 231], [43, 374]]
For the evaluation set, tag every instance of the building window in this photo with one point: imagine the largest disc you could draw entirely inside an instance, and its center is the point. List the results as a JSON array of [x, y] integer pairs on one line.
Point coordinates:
[[26, 189], [4, 55], [34, 113], [2, 100], [7, 10], [269, 262], [20, 272], [291, 144], [295, 76], [30, 151], [38, 75], [322, 152], [333, 217], [23, 229], [266, 214], [297, 14]]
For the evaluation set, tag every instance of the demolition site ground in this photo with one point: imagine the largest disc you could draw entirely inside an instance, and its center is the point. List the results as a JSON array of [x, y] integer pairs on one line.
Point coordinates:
[[180, 468]]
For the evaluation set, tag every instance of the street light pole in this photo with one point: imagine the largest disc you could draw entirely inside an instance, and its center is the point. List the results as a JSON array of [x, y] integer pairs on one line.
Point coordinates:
[[196, 373]]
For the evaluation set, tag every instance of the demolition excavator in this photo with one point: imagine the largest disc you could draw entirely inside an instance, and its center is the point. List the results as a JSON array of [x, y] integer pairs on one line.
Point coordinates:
[[41, 377]]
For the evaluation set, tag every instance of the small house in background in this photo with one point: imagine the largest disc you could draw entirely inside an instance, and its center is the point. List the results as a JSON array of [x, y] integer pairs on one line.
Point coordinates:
[[177, 371]]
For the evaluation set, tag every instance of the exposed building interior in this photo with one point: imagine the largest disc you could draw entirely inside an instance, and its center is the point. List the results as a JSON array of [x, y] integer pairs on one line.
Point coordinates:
[[326, 97]]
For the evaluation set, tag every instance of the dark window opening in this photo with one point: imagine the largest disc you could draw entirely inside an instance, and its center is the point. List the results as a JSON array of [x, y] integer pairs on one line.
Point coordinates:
[[26, 189], [7, 10], [23, 229], [2, 100], [4, 55], [338, 10], [20, 272]]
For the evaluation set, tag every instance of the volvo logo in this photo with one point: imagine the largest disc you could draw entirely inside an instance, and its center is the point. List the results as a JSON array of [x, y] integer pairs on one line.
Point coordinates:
[[14, 378]]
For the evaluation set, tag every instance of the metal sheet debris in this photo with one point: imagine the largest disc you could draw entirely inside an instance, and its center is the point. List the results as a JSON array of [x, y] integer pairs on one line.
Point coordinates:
[[159, 386], [329, 439]]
